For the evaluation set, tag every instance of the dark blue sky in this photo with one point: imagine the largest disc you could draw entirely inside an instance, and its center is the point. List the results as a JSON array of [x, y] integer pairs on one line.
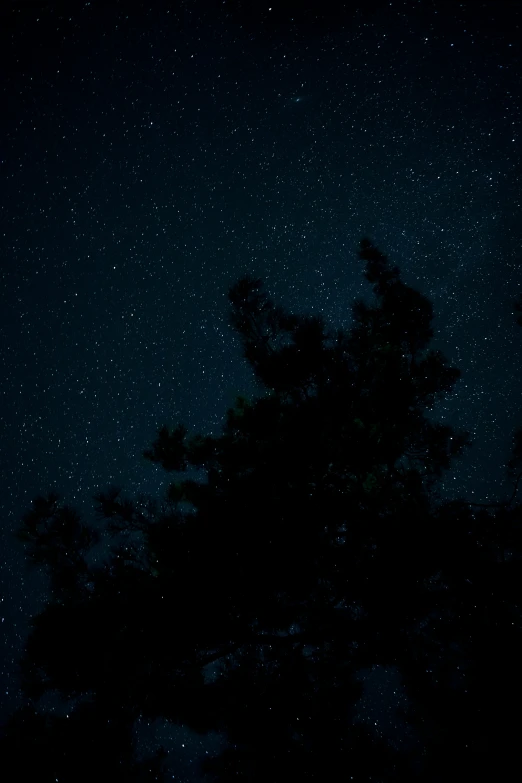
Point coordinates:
[[151, 154]]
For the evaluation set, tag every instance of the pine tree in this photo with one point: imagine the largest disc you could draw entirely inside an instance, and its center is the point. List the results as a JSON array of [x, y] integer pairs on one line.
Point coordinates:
[[317, 545]]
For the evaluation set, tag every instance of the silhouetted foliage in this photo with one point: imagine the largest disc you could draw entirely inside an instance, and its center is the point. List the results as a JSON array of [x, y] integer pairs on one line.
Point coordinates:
[[249, 602], [88, 744]]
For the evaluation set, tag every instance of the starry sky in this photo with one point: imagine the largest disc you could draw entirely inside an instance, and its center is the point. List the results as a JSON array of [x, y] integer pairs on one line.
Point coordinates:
[[153, 153]]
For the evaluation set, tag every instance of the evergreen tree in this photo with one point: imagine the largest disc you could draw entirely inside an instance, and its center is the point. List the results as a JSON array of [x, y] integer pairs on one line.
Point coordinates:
[[317, 545]]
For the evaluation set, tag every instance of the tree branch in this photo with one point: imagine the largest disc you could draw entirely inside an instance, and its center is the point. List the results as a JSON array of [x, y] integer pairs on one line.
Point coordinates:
[[304, 637]]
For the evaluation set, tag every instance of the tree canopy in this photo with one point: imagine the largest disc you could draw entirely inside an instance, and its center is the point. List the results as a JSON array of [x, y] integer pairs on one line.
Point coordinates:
[[315, 547]]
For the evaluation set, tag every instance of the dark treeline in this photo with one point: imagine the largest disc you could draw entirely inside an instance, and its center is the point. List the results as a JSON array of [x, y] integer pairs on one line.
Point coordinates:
[[317, 546]]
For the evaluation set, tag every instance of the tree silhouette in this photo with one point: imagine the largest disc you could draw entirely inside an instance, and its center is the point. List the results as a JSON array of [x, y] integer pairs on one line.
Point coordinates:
[[317, 546]]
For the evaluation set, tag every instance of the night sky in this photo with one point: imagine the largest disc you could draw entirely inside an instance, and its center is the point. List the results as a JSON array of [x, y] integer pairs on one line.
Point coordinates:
[[151, 154]]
